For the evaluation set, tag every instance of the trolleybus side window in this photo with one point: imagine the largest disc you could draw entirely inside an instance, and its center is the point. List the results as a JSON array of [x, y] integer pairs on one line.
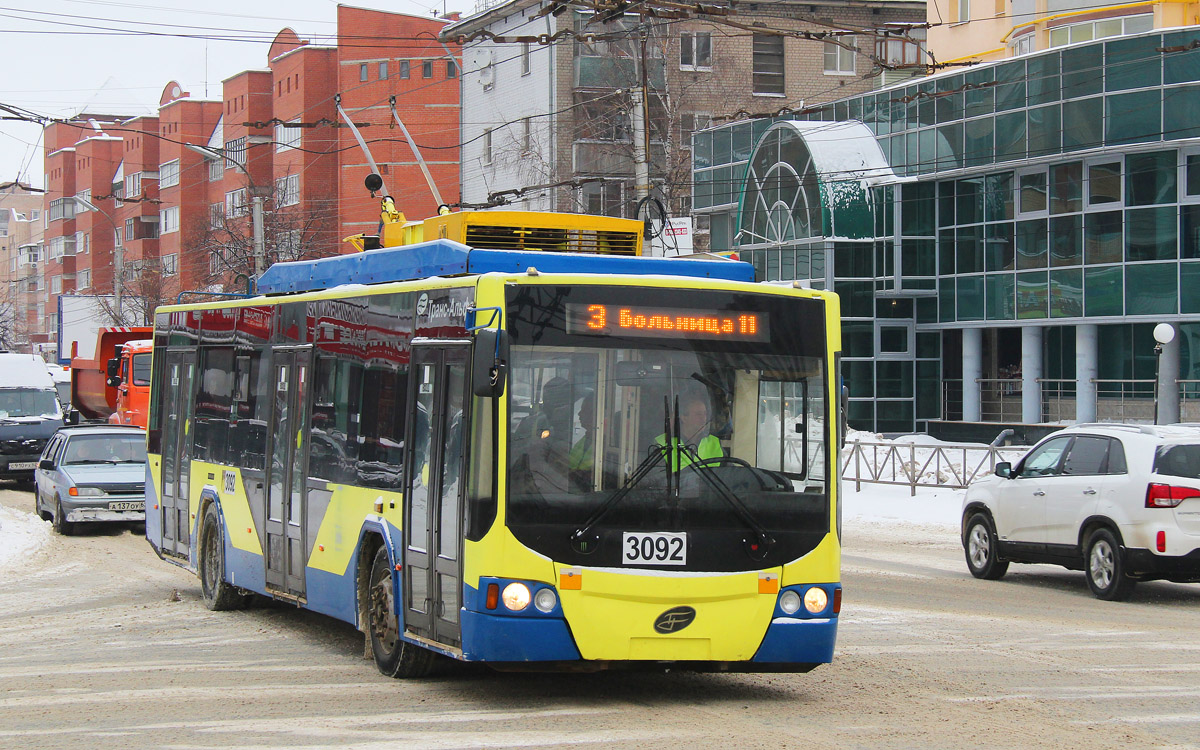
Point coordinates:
[[214, 399]]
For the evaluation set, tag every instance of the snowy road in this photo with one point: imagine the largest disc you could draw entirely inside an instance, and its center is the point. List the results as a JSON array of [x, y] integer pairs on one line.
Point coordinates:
[[96, 652]]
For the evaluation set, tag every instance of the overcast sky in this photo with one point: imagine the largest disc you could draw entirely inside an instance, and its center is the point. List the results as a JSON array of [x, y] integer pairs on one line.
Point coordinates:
[[60, 56]]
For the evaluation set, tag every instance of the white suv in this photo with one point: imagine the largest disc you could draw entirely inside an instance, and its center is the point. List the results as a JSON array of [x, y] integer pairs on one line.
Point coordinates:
[[1120, 502]]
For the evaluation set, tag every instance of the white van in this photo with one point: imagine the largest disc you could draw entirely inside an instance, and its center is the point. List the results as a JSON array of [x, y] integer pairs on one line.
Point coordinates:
[[29, 413]]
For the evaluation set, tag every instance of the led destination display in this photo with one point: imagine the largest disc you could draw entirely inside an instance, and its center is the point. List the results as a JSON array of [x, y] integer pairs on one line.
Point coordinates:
[[666, 322]]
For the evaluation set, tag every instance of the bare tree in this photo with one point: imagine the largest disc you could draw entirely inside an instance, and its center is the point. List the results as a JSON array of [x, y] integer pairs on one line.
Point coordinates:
[[220, 247]]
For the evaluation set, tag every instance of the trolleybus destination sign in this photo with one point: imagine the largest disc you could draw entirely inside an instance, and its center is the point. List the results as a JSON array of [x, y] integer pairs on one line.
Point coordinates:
[[666, 322]]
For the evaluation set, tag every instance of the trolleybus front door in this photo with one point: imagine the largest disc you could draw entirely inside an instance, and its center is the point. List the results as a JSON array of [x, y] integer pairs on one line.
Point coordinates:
[[177, 452], [287, 472], [432, 526]]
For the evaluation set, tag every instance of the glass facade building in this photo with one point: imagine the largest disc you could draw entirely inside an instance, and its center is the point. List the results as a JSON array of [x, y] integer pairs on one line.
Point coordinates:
[[1003, 238]]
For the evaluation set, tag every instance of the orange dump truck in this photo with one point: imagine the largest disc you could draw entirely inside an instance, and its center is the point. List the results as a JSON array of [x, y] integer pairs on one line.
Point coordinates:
[[115, 386]]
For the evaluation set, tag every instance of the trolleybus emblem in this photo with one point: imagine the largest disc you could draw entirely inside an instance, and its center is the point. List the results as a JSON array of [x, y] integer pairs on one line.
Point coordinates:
[[674, 619]]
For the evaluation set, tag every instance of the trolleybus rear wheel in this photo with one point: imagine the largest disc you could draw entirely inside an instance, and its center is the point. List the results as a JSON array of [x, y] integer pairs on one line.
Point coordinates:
[[394, 656]]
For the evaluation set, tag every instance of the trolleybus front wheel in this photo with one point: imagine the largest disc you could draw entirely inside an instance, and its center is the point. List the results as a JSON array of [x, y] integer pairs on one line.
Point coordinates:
[[394, 656], [217, 594]]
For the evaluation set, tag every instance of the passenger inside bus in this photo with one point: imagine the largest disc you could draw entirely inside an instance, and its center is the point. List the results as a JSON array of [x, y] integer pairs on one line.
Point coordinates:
[[543, 439]]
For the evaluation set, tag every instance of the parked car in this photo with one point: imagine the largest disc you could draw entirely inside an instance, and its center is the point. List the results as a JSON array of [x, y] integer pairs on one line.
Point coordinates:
[[92, 473], [1119, 502], [29, 413]]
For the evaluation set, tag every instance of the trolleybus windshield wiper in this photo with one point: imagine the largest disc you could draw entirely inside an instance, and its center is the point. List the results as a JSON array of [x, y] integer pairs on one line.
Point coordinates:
[[653, 457], [764, 541]]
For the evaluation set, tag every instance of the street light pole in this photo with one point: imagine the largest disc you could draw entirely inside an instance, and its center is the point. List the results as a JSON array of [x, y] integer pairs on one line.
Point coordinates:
[[118, 257], [256, 204]]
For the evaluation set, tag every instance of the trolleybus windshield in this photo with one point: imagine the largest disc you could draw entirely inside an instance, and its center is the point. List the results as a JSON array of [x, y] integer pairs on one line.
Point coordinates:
[[674, 428]]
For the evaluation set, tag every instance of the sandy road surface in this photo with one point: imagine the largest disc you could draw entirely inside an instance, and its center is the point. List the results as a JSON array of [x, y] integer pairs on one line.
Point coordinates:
[[95, 652]]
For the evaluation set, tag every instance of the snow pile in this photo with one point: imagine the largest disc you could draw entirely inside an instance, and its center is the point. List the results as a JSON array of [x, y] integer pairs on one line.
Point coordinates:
[[21, 534]]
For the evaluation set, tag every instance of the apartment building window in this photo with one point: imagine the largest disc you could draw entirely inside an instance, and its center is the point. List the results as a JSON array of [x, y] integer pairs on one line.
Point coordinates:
[[909, 50], [964, 11], [216, 170], [524, 58], [287, 136], [451, 70], [603, 198], [214, 262], [404, 68], [1102, 29], [236, 152], [689, 123], [168, 174], [363, 73], [839, 61], [131, 229], [61, 208], [216, 215], [695, 50], [287, 190], [487, 146], [133, 185], [168, 220], [118, 191], [527, 135], [235, 203], [427, 69], [56, 284], [170, 264], [383, 70], [84, 194], [83, 279], [768, 64]]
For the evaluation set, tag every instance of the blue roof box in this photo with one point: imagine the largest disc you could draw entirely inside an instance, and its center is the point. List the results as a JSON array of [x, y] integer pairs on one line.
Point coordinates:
[[449, 258]]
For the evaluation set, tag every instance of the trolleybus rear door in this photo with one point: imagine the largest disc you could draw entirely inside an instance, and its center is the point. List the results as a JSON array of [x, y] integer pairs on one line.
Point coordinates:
[[287, 472], [437, 424], [177, 452]]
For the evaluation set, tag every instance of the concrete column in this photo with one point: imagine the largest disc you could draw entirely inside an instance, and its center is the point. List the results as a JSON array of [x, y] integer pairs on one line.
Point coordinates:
[[1031, 370], [1086, 370], [1168, 389], [972, 368]]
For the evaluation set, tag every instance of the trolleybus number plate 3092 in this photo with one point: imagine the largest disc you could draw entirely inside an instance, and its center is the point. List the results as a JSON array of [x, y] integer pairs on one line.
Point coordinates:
[[654, 548]]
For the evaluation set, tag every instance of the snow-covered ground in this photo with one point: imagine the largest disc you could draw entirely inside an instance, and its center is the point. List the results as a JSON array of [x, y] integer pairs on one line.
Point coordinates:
[[21, 535]]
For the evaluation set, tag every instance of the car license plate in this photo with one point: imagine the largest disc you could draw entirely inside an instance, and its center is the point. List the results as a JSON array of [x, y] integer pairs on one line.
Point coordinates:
[[22, 466], [654, 548], [127, 506]]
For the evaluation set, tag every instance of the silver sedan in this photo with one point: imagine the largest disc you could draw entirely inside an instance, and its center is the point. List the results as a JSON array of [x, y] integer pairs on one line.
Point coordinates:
[[90, 474]]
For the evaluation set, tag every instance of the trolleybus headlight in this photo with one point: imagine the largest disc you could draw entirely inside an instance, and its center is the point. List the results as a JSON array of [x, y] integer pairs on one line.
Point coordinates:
[[789, 602], [815, 599], [515, 596], [545, 600]]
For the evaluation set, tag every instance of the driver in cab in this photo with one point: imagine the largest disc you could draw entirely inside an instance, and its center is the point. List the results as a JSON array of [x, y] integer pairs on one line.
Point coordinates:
[[694, 424]]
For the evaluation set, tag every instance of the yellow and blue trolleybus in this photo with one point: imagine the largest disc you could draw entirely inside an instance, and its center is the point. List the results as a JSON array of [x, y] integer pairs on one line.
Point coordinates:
[[530, 459]]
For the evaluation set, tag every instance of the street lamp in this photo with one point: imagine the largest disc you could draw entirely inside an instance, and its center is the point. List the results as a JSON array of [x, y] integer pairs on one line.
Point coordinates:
[[256, 209], [118, 256], [1164, 333]]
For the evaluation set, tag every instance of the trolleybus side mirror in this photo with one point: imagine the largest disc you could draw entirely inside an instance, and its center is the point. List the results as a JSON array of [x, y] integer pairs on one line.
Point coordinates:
[[489, 362]]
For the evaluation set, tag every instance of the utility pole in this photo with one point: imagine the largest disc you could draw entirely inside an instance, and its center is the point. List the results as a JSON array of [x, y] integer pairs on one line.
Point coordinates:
[[641, 136], [256, 202]]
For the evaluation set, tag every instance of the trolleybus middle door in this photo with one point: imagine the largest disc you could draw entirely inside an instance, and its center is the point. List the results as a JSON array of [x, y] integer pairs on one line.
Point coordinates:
[[437, 425], [287, 452]]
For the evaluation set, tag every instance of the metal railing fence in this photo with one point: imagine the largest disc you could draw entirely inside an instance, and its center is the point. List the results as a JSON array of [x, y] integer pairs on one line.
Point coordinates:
[[912, 465]]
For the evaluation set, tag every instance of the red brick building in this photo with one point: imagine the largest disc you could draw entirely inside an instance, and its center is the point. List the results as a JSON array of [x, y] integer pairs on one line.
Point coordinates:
[[176, 191]]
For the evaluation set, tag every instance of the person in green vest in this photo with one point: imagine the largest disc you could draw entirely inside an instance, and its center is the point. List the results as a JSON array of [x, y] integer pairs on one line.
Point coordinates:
[[694, 425], [582, 457]]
